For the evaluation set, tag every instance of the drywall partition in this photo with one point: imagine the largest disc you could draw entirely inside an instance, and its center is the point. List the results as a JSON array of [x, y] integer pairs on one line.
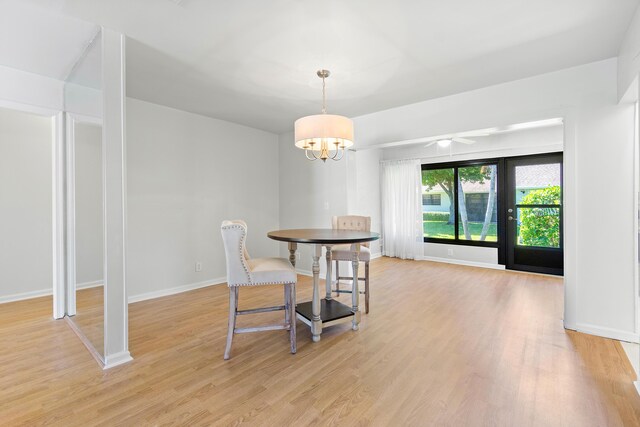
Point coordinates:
[[186, 174], [598, 136], [116, 349], [25, 205]]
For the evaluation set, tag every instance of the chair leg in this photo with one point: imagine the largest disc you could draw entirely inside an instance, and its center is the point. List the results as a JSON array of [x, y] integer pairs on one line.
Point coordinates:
[[287, 302], [366, 287], [292, 317], [337, 278], [233, 306]]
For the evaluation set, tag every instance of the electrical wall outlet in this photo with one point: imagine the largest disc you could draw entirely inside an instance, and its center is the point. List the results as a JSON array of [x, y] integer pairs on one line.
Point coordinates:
[[198, 266], [450, 252]]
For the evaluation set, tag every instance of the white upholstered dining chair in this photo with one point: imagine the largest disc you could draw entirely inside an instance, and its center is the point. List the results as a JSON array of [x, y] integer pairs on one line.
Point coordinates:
[[245, 271], [343, 252]]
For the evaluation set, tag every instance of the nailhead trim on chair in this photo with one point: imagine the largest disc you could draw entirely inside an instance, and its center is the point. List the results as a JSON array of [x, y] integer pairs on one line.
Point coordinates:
[[244, 264]]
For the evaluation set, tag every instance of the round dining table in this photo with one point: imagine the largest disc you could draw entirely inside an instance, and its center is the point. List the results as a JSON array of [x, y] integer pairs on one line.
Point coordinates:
[[319, 313]]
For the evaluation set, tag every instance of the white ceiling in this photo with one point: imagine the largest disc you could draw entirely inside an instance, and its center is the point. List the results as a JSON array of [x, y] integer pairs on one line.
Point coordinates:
[[254, 61], [40, 41]]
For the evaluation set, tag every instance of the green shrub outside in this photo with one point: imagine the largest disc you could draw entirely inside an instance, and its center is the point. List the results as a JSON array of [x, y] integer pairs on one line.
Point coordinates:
[[540, 226], [435, 216]]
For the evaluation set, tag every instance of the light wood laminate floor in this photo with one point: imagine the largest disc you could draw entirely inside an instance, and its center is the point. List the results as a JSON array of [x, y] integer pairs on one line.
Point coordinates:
[[443, 345]]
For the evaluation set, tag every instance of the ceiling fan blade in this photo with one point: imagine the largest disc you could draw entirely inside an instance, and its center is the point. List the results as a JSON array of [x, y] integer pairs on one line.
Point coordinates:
[[463, 140], [430, 144]]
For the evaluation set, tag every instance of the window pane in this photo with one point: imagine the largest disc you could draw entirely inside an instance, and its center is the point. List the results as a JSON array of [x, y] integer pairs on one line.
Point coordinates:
[[437, 209], [538, 227], [538, 184], [478, 203]]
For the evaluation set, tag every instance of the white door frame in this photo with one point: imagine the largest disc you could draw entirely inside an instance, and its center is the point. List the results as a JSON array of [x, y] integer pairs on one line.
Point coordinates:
[[57, 199]]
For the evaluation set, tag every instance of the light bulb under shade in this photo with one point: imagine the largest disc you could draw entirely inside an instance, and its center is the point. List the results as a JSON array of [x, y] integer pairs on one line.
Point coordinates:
[[311, 131], [444, 143]]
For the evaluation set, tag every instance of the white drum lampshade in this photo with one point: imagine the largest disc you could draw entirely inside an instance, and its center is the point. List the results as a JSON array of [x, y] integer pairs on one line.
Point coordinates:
[[323, 133], [312, 131]]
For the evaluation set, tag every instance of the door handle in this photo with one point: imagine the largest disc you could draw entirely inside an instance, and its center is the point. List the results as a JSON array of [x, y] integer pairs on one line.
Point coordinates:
[[510, 218]]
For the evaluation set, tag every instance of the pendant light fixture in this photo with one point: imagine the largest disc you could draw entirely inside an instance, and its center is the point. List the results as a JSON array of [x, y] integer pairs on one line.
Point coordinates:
[[324, 136]]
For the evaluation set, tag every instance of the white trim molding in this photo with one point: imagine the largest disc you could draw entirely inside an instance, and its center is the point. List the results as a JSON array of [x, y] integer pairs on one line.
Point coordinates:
[[463, 262], [304, 272], [89, 285], [117, 359], [605, 332], [26, 295], [176, 290]]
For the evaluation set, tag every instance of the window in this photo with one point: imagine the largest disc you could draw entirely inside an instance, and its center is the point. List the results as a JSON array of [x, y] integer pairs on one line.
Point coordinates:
[[460, 203], [438, 221], [431, 200]]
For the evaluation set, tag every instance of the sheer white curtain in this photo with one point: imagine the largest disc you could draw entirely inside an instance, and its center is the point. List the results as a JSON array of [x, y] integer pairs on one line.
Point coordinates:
[[402, 209]]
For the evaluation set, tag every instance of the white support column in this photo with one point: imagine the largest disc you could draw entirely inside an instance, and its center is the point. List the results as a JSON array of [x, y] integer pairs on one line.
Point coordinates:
[[116, 344], [58, 216]]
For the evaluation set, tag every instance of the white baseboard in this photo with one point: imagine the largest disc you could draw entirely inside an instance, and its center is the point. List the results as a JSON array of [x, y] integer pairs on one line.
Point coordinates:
[[117, 359], [176, 290], [304, 272], [463, 262], [26, 295], [604, 332], [376, 255], [43, 293], [632, 352], [89, 285]]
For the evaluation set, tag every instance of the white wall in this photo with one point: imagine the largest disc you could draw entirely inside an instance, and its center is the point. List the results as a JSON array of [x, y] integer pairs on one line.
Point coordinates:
[[25, 204], [598, 136], [88, 200], [628, 58], [186, 174]]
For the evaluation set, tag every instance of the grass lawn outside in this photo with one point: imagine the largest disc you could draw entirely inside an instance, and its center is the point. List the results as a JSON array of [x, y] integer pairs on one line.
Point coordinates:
[[442, 230]]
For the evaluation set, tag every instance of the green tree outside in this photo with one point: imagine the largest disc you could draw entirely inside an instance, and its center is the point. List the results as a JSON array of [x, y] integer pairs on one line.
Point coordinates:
[[443, 178], [540, 226]]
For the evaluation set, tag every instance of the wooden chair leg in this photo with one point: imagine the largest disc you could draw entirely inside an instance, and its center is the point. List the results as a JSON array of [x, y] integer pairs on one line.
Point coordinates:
[[292, 317], [287, 302], [366, 287], [337, 278], [233, 306]]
